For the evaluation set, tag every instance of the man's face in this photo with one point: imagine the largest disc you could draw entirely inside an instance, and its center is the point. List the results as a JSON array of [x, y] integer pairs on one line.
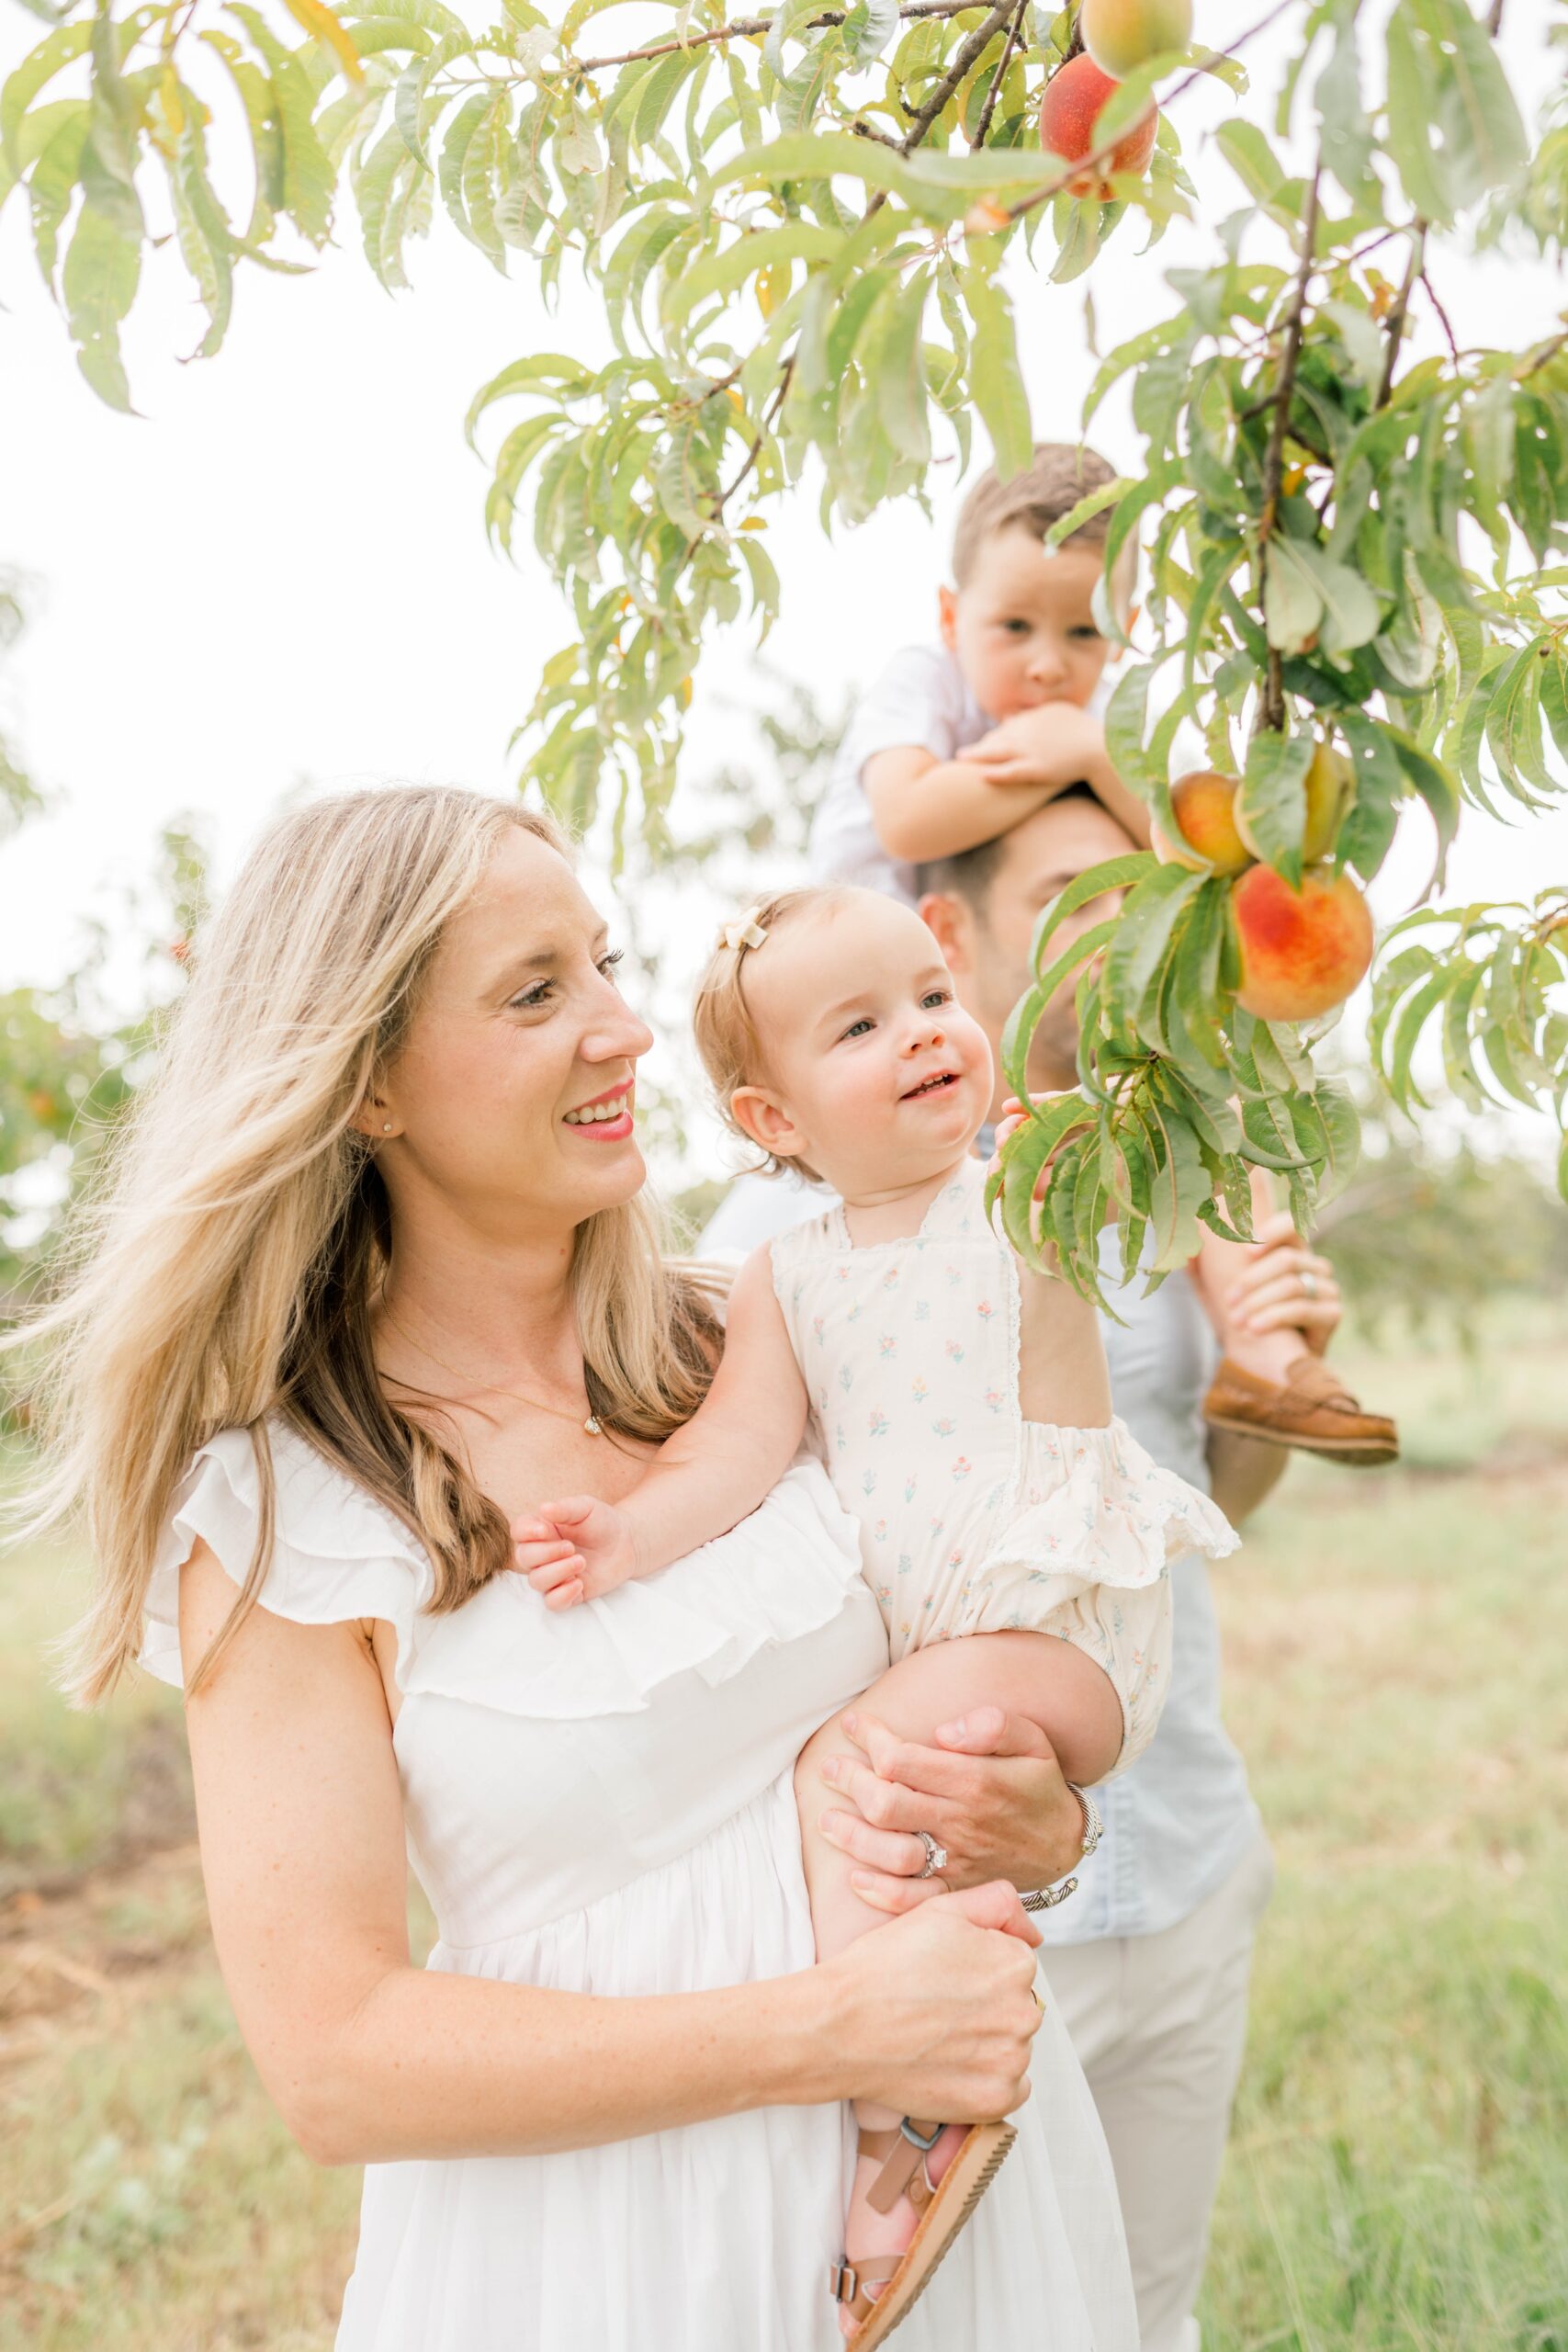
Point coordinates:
[[987, 948]]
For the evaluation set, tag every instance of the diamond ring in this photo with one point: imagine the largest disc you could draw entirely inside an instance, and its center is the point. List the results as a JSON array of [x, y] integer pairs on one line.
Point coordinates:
[[1309, 1285], [936, 1856]]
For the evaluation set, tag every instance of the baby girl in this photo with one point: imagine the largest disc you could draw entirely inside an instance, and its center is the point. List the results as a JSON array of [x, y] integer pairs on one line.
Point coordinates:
[[961, 1405]]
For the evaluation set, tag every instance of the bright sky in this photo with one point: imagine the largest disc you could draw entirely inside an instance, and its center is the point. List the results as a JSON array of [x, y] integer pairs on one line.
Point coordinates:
[[279, 571]]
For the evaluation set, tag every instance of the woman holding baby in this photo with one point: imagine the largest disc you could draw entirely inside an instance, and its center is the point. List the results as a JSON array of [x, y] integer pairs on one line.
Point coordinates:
[[374, 1278]]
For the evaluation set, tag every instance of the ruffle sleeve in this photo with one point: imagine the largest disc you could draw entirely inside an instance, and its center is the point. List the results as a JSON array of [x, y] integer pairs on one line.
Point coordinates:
[[337, 1555], [1095, 1507], [787, 1570]]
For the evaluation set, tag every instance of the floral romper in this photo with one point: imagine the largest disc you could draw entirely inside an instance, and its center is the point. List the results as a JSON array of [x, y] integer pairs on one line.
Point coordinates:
[[973, 1520]]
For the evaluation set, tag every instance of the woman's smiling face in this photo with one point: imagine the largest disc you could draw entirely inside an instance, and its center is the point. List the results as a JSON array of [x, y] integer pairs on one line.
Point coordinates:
[[511, 1102]]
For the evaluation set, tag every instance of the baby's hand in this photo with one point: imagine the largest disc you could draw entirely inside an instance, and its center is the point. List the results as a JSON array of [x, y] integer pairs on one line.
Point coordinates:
[[1015, 1116], [577, 1550]]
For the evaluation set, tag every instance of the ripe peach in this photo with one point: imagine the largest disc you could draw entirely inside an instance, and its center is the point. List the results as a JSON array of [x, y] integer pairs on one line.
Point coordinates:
[[1330, 783], [1203, 804], [1123, 34], [1075, 95], [1302, 952]]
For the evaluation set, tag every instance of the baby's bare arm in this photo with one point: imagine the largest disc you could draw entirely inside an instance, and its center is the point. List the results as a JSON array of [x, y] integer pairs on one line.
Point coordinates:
[[741, 1441], [1062, 1373]]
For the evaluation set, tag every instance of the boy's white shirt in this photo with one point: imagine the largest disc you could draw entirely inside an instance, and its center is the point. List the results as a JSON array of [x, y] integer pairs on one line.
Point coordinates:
[[920, 700]]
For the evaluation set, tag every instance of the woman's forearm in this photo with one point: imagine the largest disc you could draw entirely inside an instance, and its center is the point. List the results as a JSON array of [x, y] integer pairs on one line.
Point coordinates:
[[432, 2065]]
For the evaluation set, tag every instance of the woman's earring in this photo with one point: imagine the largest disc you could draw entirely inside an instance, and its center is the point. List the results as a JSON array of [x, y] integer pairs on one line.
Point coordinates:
[[386, 1126]]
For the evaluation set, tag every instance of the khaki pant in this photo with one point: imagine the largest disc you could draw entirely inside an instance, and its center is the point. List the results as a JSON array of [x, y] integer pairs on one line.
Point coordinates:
[[1159, 2023]]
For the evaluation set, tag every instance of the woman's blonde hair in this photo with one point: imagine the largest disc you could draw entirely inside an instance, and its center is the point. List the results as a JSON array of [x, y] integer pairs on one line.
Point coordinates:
[[229, 1265], [725, 1033]]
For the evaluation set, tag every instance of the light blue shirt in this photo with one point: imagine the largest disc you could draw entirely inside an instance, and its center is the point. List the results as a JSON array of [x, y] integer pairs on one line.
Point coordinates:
[[1179, 1822]]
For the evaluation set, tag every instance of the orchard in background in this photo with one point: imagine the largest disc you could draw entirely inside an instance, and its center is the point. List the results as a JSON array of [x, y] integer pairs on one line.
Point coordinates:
[[796, 223]]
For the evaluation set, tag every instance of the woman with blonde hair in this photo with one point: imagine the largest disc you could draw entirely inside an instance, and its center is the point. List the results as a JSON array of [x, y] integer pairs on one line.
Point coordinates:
[[372, 1272]]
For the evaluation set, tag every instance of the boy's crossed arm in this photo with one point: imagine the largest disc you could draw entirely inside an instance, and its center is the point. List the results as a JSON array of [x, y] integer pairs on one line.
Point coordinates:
[[924, 807], [704, 1479]]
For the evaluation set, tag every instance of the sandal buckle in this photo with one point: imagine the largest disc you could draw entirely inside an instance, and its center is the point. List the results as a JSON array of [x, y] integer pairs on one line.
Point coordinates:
[[844, 2284], [911, 2133]]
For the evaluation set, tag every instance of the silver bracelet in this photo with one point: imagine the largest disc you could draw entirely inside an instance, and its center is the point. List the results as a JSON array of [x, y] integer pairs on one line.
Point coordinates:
[[1045, 1898]]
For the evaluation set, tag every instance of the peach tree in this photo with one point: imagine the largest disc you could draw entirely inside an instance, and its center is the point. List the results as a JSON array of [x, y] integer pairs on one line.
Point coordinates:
[[794, 224]]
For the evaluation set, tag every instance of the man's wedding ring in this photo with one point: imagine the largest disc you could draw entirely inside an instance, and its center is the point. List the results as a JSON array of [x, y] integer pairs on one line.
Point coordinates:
[[936, 1856], [1034, 1997]]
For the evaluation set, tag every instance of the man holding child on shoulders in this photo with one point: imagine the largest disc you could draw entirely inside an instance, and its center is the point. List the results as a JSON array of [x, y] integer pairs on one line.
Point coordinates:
[[973, 782]]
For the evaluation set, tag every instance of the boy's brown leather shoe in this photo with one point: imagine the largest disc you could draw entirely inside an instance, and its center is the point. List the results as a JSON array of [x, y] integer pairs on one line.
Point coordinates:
[[1313, 1410]]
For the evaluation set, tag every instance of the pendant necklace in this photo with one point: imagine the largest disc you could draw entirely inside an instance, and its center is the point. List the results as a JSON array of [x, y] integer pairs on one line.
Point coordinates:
[[489, 1388]]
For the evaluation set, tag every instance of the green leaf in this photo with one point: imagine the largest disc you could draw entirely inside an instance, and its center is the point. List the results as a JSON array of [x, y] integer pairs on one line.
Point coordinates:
[[1251, 158], [462, 133], [900, 374], [22, 86], [1018, 1033], [1180, 1187], [1351, 614], [722, 272], [202, 227], [307, 174], [408, 102], [996, 377], [53, 181], [1111, 874], [260, 104], [1023, 1156], [1271, 805], [98, 283], [1292, 602], [548, 372], [1136, 962], [1433, 783]]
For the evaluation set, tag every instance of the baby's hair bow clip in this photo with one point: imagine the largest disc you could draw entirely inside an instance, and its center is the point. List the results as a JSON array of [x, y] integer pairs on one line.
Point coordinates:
[[746, 931]]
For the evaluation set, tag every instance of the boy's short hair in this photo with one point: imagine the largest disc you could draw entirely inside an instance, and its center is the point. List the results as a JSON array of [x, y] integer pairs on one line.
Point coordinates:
[[1060, 473]]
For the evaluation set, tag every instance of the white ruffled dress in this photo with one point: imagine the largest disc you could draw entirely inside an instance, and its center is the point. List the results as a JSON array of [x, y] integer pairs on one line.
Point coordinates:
[[600, 1800], [973, 1520]]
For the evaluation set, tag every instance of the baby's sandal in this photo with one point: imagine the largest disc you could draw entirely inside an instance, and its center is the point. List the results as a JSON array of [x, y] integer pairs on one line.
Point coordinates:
[[943, 2206]]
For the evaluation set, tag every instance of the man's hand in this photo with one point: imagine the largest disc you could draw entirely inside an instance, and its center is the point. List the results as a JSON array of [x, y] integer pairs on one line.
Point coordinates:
[[1053, 744], [990, 1791], [1285, 1285], [577, 1550]]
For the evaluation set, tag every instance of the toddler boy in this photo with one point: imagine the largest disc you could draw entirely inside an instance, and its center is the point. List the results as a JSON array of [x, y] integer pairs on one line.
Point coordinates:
[[958, 742]]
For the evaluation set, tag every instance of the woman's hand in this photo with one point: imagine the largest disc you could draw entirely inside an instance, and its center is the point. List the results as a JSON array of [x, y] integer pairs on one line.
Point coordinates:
[[990, 1791], [1284, 1286], [940, 2008]]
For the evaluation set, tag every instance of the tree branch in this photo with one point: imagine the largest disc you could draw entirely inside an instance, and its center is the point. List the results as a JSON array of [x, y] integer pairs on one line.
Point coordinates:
[[785, 372], [1442, 315], [746, 27], [969, 51], [1272, 702], [1400, 312], [994, 93]]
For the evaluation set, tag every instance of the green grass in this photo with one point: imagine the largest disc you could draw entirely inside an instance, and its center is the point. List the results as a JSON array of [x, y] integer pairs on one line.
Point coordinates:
[[1398, 2177], [1398, 2174]]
